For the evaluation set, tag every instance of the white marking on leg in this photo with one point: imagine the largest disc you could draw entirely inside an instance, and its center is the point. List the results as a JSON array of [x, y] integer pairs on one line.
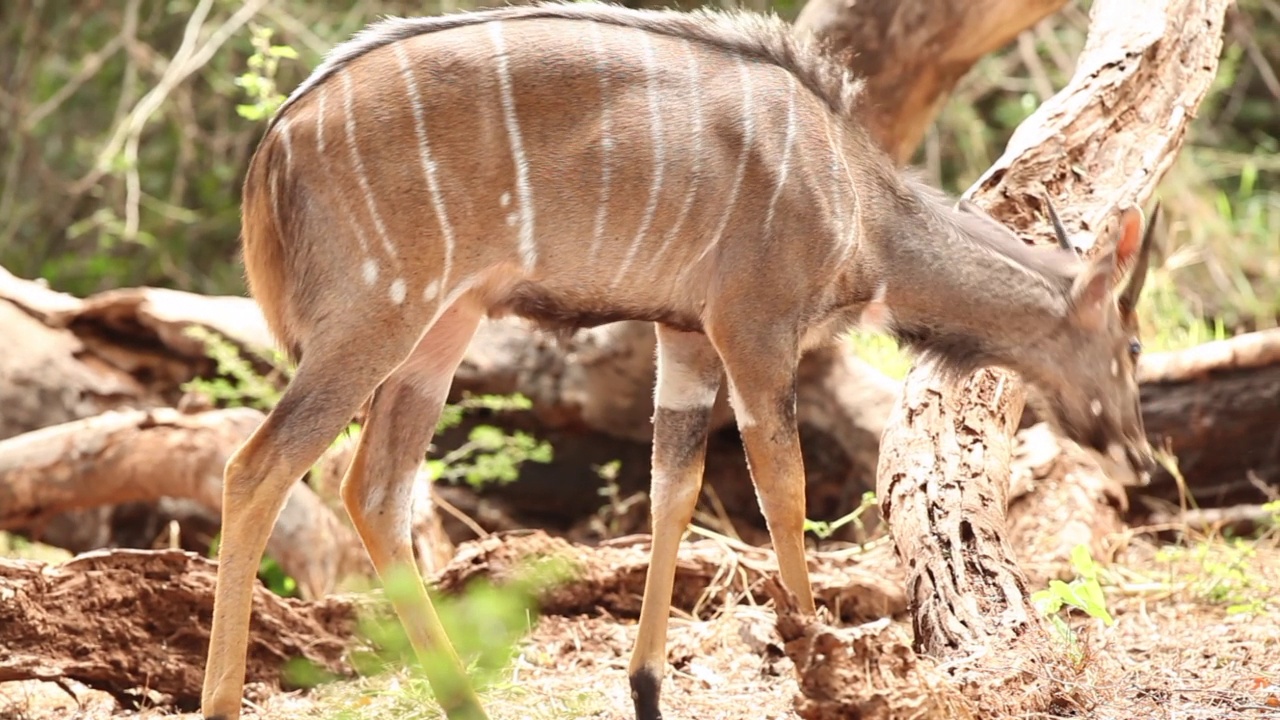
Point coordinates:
[[505, 200], [695, 100], [680, 388], [397, 291], [320, 119], [1095, 407], [528, 250], [606, 144], [429, 166], [358, 164], [431, 291], [785, 164], [748, 138], [740, 411], [370, 271], [659, 155], [1115, 368], [876, 315], [282, 127]]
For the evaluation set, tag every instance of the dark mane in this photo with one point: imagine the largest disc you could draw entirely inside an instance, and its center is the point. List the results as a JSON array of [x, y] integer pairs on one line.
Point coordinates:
[[762, 38]]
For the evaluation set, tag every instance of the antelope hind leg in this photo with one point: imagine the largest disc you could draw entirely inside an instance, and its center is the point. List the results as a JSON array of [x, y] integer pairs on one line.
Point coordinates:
[[378, 493], [324, 394], [689, 372]]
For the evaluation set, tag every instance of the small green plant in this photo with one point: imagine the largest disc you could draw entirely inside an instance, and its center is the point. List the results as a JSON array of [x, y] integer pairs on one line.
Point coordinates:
[[1223, 574], [823, 529], [489, 455], [1084, 593], [237, 383], [259, 82]]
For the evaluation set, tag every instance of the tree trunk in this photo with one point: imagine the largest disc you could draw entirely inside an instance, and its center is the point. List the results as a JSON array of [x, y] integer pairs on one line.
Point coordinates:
[[945, 456], [913, 52]]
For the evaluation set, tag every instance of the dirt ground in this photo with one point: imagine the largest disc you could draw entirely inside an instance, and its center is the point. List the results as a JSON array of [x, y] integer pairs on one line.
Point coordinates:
[[1195, 637]]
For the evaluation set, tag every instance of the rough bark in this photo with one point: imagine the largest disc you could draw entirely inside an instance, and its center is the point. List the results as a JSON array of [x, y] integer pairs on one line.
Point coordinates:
[[913, 52], [126, 605], [945, 456]]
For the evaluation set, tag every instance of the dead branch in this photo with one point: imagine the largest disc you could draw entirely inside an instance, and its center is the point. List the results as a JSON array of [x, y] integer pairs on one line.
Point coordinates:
[[913, 52], [945, 457], [710, 574], [133, 456]]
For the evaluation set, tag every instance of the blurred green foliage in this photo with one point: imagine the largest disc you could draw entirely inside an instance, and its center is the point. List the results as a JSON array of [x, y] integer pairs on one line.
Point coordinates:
[[126, 126]]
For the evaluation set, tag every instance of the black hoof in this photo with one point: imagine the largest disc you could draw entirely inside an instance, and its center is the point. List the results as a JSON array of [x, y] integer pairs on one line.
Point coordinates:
[[644, 693]]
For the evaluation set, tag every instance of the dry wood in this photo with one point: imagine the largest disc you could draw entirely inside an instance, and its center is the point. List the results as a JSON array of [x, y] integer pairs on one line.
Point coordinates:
[[945, 460], [91, 618], [913, 52], [709, 574], [132, 456]]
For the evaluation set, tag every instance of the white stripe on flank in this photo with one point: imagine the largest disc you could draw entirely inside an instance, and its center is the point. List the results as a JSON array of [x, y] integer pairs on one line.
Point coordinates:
[[659, 155], [361, 176], [695, 96], [320, 119], [786, 153], [424, 156], [370, 275], [528, 250], [849, 220], [748, 137], [283, 128], [606, 144]]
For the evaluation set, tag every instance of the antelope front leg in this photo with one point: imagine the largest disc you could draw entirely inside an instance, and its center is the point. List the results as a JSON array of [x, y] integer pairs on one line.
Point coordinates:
[[688, 378], [762, 390]]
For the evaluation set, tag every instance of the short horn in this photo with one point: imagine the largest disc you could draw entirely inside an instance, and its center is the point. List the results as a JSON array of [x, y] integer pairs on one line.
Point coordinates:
[[1058, 230]]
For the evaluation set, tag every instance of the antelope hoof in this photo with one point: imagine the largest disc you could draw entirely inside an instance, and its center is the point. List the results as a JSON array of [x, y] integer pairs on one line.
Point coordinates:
[[645, 685]]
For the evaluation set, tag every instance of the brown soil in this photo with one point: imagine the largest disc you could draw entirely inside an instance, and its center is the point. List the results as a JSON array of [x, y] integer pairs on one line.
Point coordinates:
[[1175, 650]]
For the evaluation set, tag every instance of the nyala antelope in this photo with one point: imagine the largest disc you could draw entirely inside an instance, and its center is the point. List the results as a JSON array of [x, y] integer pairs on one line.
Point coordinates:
[[578, 164]]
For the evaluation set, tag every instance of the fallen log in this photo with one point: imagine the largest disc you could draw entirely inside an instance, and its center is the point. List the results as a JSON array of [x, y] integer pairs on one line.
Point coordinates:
[[133, 456]]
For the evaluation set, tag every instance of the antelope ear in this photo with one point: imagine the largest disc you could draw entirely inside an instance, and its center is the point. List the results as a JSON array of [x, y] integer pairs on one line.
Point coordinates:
[[1138, 273], [1091, 291], [1130, 241]]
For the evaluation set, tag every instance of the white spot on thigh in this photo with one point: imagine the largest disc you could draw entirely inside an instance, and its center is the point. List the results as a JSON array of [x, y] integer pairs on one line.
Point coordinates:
[[1095, 407], [1115, 368], [740, 412], [505, 200], [397, 290], [430, 292], [370, 271], [513, 218]]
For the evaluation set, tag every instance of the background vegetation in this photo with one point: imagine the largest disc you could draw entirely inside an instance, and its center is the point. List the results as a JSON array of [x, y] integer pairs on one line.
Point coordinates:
[[127, 124]]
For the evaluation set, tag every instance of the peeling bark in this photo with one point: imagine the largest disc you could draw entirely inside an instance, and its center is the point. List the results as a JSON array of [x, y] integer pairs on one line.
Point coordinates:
[[945, 456]]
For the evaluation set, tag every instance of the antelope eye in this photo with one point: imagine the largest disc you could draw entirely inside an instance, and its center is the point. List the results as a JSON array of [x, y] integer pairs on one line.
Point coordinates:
[[1135, 348]]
